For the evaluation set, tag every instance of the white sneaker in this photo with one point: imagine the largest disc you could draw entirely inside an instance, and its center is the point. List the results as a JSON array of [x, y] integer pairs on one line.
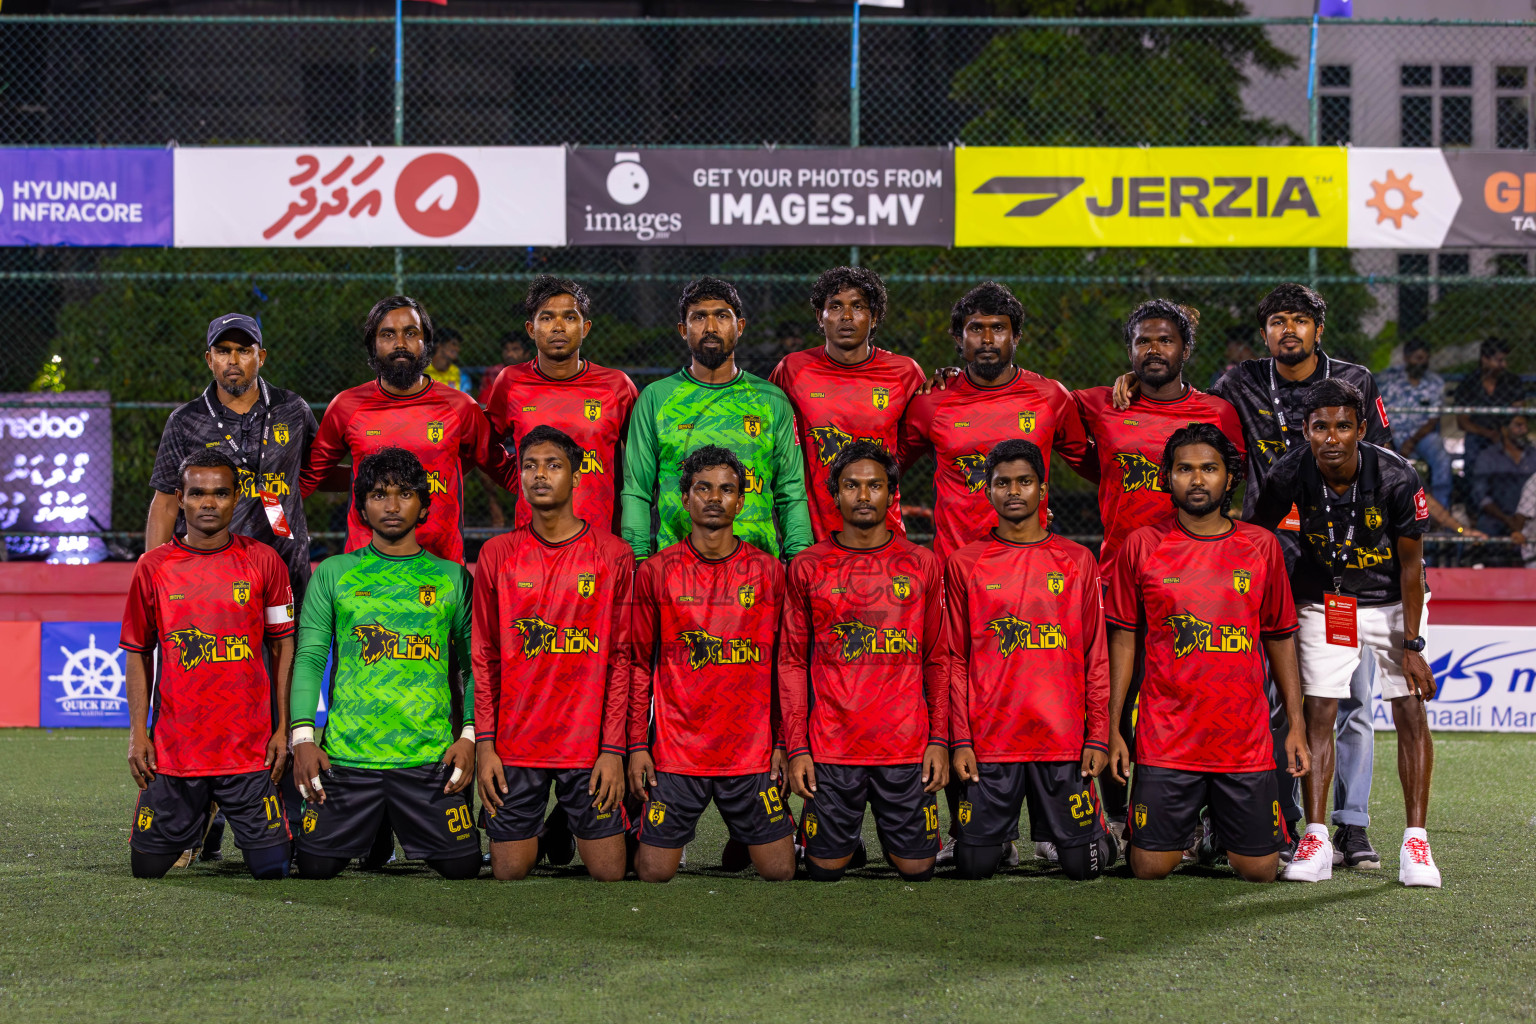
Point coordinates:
[[1047, 852], [1416, 866], [1010, 855], [1116, 830], [1313, 861], [946, 854]]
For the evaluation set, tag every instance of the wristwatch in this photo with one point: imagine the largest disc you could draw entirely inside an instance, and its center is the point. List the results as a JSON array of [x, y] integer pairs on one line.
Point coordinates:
[[1416, 645]]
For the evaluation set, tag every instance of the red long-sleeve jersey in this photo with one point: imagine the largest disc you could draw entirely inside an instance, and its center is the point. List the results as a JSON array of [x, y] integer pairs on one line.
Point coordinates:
[[592, 407], [711, 624], [552, 647], [962, 423], [1029, 680], [442, 427], [1128, 453], [837, 404], [864, 633]]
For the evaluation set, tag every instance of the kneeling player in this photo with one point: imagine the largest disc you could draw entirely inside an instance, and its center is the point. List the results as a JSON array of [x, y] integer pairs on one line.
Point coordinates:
[[396, 746], [552, 651], [1204, 587], [1029, 690], [207, 601], [864, 631], [709, 607]]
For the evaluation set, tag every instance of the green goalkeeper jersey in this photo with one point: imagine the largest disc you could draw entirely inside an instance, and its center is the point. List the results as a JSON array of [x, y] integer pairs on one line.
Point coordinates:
[[401, 631], [748, 416]]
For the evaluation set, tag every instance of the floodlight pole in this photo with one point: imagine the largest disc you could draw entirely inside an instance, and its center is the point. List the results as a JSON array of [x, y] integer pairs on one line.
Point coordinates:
[[853, 105], [399, 121]]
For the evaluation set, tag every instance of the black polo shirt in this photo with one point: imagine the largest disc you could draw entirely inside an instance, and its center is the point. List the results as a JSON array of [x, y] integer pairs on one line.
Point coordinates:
[[270, 444], [1386, 502], [1247, 387]]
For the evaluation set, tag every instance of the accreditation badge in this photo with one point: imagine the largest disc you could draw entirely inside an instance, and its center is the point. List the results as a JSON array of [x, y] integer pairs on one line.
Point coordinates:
[[1340, 623]]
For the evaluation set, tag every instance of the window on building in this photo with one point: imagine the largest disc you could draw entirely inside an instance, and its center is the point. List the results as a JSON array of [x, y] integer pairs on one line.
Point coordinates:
[[1511, 264], [1511, 107], [1438, 112], [1418, 121], [1334, 108], [1412, 299]]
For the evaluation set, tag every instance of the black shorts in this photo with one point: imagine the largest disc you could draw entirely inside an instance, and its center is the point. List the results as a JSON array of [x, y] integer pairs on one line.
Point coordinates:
[[1244, 808], [172, 814], [906, 817], [752, 806], [1063, 806], [431, 824], [527, 799]]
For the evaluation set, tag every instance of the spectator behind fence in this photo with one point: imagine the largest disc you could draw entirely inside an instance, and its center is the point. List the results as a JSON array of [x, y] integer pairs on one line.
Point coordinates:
[[1415, 386], [1524, 514], [444, 367], [1493, 385], [515, 349], [1500, 476]]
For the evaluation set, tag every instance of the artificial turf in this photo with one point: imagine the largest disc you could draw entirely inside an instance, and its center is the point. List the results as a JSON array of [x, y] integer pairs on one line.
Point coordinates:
[[82, 940]]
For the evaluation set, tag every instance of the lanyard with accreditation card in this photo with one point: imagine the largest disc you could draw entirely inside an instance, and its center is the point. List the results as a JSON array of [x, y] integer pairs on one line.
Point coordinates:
[[269, 501], [1340, 621], [1292, 520]]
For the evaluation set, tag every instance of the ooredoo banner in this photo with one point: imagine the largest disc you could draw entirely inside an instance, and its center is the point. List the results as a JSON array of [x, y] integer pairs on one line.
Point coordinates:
[[85, 197], [56, 473], [1263, 197], [366, 196], [759, 197]]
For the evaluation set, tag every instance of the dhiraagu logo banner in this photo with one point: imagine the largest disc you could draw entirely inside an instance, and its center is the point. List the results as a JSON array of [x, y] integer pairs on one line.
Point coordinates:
[[1252, 196]]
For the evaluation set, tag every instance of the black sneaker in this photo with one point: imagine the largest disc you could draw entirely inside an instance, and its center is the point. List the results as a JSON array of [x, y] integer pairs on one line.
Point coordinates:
[[557, 846], [1352, 849], [1296, 830]]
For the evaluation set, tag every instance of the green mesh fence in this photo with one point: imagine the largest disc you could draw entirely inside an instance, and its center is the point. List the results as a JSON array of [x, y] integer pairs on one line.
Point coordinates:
[[131, 321]]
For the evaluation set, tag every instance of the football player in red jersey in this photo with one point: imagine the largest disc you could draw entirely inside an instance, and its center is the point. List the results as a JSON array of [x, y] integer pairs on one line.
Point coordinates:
[[707, 609], [551, 667], [1029, 681], [1127, 449], [864, 631], [559, 388], [848, 389], [403, 408], [207, 602], [993, 400], [1209, 591]]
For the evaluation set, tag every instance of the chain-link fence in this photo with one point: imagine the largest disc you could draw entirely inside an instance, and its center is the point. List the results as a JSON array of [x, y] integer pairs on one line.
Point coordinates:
[[130, 321]]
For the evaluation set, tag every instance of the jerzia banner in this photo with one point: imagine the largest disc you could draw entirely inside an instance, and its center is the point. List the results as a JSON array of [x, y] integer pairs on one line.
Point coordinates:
[[1250, 197], [759, 197]]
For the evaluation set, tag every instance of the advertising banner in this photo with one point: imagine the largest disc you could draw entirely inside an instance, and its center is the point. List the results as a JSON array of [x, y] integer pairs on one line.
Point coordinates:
[[85, 197], [56, 473], [1258, 197], [1486, 677], [759, 197], [366, 196], [1400, 198], [1498, 206], [84, 680]]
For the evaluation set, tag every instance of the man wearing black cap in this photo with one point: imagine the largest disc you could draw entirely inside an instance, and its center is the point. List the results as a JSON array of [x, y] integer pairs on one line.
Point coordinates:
[[267, 431]]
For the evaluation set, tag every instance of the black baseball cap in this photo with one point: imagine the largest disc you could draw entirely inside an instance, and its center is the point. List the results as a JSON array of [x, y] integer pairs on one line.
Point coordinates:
[[219, 326]]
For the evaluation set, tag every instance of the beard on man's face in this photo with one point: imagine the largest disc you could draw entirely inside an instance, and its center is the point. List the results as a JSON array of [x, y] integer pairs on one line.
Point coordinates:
[[711, 358], [990, 370], [1292, 357], [400, 371], [234, 389]]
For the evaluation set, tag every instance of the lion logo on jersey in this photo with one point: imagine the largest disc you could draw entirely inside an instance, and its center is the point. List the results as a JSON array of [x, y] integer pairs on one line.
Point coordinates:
[[375, 641], [703, 648], [1271, 450], [193, 646], [881, 397], [1138, 473], [592, 409], [973, 468], [1012, 633], [1189, 634], [858, 639], [538, 635], [829, 441]]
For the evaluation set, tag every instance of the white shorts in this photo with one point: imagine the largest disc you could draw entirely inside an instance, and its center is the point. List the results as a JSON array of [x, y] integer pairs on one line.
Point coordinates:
[[1326, 668]]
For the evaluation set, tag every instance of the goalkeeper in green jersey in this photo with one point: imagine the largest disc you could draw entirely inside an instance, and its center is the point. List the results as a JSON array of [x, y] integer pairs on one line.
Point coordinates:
[[713, 401], [399, 742]]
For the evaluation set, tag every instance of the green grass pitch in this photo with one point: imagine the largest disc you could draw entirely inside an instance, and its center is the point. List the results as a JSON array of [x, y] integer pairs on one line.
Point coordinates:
[[81, 940]]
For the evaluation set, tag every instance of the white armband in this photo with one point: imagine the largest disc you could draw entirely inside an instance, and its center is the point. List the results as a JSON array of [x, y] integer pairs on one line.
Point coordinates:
[[301, 734]]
